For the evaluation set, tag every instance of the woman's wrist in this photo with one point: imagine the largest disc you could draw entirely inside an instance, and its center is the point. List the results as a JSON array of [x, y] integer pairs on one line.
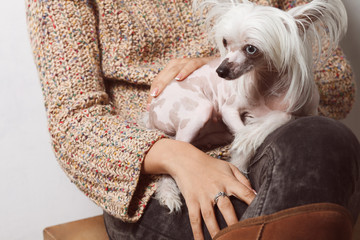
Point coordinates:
[[165, 156], [156, 159]]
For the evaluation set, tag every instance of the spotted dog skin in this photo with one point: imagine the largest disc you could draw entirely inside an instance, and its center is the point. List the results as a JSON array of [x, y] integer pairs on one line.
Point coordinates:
[[196, 109]]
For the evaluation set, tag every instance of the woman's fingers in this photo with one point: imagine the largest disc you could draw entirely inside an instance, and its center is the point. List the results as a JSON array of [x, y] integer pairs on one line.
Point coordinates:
[[190, 66], [227, 210], [241, 189], [159, 83], [177, 69], [239, 176], [207, 211], [168, 74], [242, 192], [195, 220]]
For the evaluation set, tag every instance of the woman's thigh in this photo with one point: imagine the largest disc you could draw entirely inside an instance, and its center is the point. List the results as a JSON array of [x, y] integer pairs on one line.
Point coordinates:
[[158, 224], [308, 160]]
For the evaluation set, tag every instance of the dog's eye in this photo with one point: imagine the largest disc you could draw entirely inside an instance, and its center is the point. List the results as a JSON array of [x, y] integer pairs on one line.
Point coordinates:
[[224, 42], [250, 49]]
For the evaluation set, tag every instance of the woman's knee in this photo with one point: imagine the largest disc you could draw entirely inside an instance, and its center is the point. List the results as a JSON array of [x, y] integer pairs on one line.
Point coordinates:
[[316, 139], [310, 159]]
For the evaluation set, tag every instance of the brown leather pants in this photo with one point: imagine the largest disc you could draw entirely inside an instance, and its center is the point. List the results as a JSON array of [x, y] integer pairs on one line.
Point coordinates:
[[309, 160]]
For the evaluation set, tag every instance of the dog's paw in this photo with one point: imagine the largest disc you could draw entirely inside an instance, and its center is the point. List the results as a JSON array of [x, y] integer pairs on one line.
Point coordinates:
[[168, 194], [173, 203]]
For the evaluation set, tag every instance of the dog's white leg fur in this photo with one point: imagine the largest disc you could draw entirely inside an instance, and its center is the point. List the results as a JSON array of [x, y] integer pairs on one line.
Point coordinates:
[[168, 194], [230, 116], [249, 138]]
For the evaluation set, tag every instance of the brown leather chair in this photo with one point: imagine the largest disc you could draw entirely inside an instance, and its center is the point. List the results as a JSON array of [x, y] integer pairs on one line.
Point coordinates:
[[86, 229]]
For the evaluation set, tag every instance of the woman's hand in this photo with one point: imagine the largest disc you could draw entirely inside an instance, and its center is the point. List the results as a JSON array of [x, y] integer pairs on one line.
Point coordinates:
[[177, 69], [199, 177]]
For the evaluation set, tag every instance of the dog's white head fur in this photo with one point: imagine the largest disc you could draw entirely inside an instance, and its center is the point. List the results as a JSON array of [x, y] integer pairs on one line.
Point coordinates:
[[269, 40]]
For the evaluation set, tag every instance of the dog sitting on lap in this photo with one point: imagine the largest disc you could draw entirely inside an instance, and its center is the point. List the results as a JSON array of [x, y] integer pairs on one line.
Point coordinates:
[[263, 78]]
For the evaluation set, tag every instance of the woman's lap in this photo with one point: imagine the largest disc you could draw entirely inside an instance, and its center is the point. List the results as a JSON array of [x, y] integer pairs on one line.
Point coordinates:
[[309, 160], [158, 224]]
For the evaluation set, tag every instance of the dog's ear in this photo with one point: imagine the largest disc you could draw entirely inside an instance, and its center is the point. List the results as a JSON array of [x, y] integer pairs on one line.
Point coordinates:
[[330, 14], [307, 18]]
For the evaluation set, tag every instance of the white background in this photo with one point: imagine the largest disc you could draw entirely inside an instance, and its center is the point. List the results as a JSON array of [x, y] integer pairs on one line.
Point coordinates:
[[34, 192]]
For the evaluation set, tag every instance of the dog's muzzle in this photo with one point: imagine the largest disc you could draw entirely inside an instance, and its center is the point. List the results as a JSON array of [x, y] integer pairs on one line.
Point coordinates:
[[224, 69], [233, 70]]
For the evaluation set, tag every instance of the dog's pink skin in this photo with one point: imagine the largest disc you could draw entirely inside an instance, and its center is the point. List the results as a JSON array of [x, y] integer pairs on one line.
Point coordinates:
[[184, 107]]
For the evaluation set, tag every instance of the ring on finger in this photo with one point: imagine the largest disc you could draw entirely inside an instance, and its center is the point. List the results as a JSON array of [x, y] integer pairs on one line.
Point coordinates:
[[218, 195]]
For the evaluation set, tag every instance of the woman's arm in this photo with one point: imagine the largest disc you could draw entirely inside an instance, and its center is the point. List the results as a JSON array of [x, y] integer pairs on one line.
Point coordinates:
[[100, 151], [199, 177]]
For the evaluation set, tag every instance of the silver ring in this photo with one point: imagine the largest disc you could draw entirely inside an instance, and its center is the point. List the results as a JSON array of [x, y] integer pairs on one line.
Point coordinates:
[[220, 194]]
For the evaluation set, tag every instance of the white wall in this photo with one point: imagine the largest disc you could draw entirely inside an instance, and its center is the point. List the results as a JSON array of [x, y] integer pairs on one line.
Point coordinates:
[[34, 192], [351, 47]]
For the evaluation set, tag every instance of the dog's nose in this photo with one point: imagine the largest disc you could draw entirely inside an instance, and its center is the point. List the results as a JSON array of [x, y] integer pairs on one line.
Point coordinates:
[[222, 71]]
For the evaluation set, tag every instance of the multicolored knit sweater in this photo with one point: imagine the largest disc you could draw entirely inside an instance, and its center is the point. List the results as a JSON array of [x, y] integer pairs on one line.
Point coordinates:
[[96, 60]]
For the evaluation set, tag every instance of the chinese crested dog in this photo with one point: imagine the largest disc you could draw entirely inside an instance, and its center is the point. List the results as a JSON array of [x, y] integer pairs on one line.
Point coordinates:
[[263, 78]]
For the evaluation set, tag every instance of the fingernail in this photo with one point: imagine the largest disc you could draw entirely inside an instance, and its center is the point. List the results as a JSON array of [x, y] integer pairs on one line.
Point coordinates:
[[154, 92], [178, 77], [254, 192]]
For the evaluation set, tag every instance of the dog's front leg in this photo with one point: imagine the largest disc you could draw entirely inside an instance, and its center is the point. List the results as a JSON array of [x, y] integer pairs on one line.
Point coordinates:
[[188, 128], [249, 138], [231, 117]]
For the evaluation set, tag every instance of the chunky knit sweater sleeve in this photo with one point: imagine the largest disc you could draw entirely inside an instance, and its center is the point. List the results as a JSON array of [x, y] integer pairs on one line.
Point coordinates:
[[100, 151]]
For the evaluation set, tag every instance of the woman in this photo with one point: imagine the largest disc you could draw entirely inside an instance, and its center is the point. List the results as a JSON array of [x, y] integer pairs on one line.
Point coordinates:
[[96, 60]]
